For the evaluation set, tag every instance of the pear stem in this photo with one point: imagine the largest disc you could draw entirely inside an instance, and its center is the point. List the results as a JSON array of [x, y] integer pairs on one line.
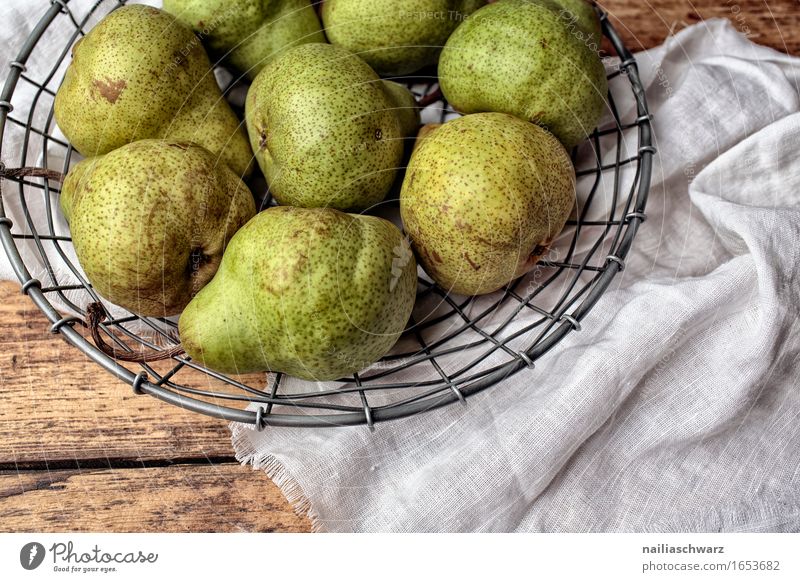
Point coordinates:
[[95, 315]]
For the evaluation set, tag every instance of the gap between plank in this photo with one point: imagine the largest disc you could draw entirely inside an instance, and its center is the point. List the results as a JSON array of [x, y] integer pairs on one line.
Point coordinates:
[[79, 464]]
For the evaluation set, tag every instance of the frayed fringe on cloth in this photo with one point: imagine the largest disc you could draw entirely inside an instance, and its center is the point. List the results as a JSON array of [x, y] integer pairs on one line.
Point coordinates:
[[247, 454]]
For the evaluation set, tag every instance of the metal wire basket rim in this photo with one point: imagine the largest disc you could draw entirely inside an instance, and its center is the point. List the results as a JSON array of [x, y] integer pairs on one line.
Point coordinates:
[[140, 382]]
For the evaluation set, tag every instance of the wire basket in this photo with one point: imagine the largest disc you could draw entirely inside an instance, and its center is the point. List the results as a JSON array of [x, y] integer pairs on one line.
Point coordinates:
[[454, 346]]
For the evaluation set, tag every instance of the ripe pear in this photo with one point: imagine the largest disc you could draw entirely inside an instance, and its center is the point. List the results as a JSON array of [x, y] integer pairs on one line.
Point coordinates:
[[524, 58], [395, 38], [149, 221], [311, 292], [249, 33], [141, 74], [580, 16], [483, 196], [405, 106], [324, 129]]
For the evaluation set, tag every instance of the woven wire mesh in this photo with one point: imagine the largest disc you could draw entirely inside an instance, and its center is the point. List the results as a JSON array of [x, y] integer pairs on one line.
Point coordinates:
[[453, 347]]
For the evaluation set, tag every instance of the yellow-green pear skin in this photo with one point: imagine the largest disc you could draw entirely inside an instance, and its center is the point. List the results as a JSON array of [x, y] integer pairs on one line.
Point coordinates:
[[580, 16], [395, 38], [324, 129], [483, 196], [141, 74], [149, 222], [311, 292], [247, 34], [405, 105], [522, 57]]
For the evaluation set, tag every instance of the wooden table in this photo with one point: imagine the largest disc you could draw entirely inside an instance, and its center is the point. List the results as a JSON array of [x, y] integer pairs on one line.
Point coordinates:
[[118, 462]]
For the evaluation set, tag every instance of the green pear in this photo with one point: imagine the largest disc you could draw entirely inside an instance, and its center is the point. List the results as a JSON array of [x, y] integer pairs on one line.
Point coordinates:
[[522, 57], [149, 221], [249, 33], [311, 292], [406, 107], [579, 17], [483, 197], [324, 129], [141, 74], [395, 38], [408, 113], [582, 14]]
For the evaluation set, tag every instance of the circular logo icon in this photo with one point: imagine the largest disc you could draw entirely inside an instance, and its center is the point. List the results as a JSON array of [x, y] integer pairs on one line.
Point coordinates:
[[31, 555]]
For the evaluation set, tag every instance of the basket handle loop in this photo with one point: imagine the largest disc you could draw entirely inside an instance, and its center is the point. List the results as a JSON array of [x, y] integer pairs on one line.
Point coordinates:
[[96, 314]]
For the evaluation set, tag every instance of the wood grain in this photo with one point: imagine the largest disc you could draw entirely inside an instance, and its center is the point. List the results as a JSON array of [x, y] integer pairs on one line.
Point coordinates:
[[58, 407], [77, 448], [646, 23], [180, 498]]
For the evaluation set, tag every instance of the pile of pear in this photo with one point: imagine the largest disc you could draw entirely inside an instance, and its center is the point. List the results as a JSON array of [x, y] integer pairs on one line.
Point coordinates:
[[320, 287]]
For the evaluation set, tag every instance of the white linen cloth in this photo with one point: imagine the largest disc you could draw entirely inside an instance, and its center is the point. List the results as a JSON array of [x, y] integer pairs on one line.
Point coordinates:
[[676, 407]]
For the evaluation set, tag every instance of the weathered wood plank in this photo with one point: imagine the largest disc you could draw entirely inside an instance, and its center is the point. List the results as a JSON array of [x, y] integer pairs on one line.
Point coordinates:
[[645, 24], [57, 405], [180, 498], [101, 423]]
